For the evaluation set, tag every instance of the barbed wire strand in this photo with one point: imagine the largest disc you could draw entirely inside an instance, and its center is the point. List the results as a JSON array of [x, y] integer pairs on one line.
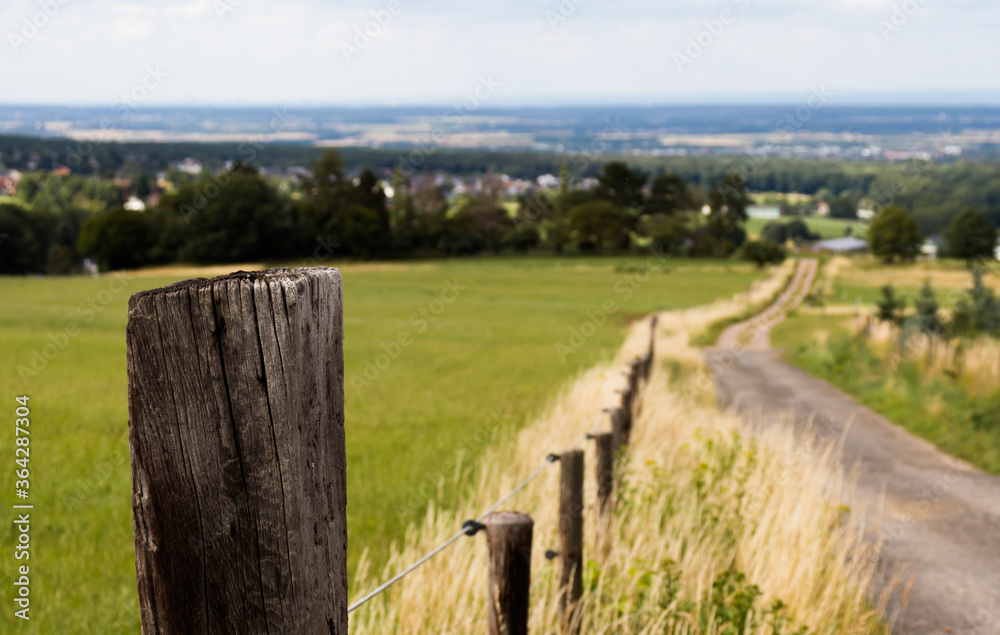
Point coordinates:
[[410, 569]]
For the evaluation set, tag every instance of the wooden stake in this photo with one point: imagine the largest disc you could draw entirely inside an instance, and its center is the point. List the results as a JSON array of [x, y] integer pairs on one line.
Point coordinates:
[[571, 537], [236, 428], [619, 428], [604, 442], [509, 538]]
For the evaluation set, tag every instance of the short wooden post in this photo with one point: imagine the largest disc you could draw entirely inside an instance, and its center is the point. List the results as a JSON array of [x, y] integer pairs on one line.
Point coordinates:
[[571, 537], [509, 538], [236, 428], [619, 428], [605, 450]]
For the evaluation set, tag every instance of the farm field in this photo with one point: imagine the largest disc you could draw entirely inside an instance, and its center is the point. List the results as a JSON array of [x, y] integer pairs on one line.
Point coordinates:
[[480, 347], [825, 227]]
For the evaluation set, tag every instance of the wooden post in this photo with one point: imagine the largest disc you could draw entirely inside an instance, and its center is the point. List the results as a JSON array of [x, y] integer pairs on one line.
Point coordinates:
[[571, 537], [619, 428], [509, 538], [236, 430], [605, 450]]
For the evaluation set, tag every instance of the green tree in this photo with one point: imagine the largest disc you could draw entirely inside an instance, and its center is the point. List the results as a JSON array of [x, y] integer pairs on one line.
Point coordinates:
[[971, 236], [891, 307], [232, 217], [729, 197], [762, 252], [597, 223], [23, 240], [723, 233], [978, 311], [669, 232], [621, 185], [894, 234], [774, 232], [118, 239], [844, 206], [926, 318], [669, 194], [355, 215]]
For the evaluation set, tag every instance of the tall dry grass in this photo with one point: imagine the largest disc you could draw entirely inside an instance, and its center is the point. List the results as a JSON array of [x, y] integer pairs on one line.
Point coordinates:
[[703, 514], [973, 363]]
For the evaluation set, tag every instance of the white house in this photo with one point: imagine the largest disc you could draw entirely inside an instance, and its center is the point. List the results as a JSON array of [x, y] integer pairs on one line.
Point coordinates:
[[769, 212]]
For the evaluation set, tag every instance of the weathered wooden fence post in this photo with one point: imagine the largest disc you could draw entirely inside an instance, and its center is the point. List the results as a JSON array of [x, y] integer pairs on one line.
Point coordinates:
[[236, 426], [619, 428], [571, 536], [509, 538], [604, 445]]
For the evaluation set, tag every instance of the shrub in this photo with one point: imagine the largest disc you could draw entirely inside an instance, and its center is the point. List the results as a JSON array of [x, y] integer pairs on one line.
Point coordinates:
[[763, 252]]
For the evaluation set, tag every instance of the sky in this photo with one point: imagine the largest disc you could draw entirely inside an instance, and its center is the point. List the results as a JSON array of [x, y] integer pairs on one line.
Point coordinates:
[[308, 52]]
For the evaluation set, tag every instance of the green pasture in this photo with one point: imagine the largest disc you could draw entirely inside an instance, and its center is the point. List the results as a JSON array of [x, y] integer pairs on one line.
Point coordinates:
[[488, 355], [825, 227]]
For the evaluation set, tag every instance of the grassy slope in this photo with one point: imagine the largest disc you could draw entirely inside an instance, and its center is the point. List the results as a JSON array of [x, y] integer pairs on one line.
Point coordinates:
[[493, 348]]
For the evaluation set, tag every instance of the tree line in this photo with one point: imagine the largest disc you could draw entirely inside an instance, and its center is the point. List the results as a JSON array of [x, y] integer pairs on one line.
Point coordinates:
[[933, 192], [239, 215]]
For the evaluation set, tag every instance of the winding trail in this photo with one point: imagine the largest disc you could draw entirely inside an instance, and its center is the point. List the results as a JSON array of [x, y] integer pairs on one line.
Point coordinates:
[[937, 518]]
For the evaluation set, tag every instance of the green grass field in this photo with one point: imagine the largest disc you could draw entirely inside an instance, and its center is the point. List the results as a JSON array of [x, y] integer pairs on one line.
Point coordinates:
[[493, 349], [825, 227]]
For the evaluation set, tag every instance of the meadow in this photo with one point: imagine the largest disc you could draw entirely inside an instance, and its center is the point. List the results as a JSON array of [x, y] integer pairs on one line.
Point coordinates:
[[825, 227], [443, 360]]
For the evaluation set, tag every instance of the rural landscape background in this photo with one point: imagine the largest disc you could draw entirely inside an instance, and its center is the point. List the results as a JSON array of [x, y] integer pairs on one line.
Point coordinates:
[[792, 210]]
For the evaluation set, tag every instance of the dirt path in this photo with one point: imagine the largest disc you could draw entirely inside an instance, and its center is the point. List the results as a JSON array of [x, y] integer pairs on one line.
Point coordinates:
[[938, 518]]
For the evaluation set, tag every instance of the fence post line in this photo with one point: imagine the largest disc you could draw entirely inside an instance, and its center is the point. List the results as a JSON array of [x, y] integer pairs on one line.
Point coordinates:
[[236, 434], [571, 537], [509, 537]]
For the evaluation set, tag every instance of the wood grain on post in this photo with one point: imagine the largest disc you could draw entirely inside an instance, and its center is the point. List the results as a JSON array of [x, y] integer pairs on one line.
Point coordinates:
[[509, 538], [571, 536], [236, 428]]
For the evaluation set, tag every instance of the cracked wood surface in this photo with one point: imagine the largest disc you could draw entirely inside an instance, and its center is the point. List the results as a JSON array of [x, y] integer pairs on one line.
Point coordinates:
[[236, 427]]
